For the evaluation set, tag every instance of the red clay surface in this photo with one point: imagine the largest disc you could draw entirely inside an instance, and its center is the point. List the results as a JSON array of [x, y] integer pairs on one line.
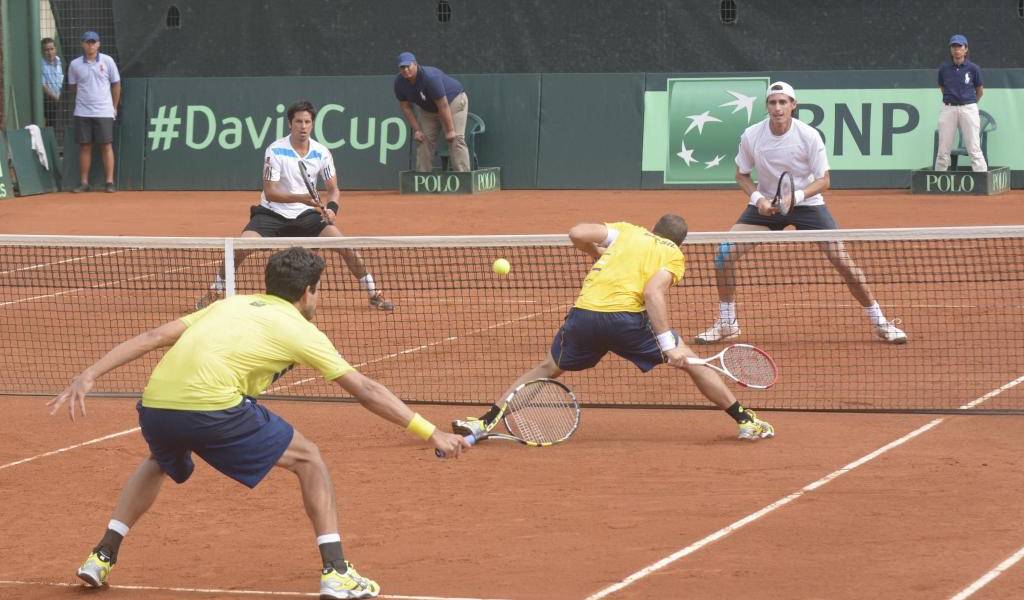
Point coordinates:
[[924, 520]]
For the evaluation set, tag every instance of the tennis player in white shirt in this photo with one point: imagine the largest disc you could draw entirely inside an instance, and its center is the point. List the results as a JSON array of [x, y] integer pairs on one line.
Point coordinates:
[[286, 208], [778, 144]]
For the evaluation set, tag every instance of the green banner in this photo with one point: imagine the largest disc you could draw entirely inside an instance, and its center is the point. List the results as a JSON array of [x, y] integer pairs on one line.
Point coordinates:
[[863, 129], [705, 120], [212, 133]]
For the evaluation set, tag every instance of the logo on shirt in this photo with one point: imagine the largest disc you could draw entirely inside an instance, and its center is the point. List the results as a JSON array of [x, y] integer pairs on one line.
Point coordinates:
[[967, 77], [423, 96], [706, 117]]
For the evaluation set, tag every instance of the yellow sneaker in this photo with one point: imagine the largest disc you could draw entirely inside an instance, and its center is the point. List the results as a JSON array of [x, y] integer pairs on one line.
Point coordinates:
[[349, 584], [755, 428], [95, 569]]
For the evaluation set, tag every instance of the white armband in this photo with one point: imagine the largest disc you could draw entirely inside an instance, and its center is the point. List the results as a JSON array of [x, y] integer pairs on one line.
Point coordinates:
[[613, 234], [755, 196], [667, 340], [798, 197]]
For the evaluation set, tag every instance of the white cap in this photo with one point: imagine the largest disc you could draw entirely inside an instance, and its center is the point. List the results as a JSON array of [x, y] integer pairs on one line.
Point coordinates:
[[781, 87]]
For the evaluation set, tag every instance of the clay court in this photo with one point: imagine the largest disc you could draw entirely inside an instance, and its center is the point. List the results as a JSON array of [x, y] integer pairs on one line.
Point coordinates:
[[652, 503]]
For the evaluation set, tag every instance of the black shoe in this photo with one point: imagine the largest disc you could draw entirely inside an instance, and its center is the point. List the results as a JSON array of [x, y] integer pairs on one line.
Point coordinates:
[[110, 188], [380, 303], [82, 187]]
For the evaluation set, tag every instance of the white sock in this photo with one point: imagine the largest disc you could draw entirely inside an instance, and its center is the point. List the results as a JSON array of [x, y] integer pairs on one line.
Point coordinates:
[[874, 313], [218, 284], [727, 311], [367, 283], [118, 526], [327, 538]]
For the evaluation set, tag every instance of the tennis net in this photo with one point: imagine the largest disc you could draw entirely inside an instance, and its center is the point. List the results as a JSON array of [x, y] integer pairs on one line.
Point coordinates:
[[461, 334]]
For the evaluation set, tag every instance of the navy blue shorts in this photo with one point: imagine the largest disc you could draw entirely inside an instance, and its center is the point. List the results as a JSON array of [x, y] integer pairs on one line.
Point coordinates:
[[267, 223], [586, 336], [802, 217], [243, 442]]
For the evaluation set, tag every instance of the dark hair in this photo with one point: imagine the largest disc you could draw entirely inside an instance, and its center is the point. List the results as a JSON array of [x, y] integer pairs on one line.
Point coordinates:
[[289, 272], [47, 40], [672, 228], [300, 106]]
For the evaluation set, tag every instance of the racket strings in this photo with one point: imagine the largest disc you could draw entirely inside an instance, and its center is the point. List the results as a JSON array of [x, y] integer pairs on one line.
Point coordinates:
[[749, 365], [542, 413]]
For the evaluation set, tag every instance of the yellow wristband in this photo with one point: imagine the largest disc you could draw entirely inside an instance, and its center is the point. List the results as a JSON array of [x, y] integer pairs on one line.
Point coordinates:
[[420, 427]]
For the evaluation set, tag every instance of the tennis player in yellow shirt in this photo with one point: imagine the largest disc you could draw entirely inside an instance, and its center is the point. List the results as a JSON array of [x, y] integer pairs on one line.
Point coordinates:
[[622, 308], [201, 398]]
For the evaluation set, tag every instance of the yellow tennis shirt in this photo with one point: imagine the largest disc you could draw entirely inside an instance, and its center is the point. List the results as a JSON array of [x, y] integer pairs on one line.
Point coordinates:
[[237, 347], [616, 281]]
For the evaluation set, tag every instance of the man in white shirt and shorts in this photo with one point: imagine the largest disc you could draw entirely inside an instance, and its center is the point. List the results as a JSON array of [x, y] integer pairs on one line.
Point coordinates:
[[286, 208], [778, 144]]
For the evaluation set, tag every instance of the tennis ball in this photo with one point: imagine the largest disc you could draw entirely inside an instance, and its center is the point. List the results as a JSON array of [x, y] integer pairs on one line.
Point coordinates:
[[501, 267]]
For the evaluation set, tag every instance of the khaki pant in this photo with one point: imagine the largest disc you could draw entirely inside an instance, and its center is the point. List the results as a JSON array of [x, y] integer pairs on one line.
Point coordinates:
[[968, 120], [430, 125]]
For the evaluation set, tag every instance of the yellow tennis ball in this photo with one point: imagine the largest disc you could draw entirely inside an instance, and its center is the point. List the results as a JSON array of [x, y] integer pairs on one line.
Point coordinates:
[[501, 267]]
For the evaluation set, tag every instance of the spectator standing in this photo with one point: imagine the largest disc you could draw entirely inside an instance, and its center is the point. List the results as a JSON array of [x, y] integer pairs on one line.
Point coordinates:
[[97, 85], [53, 81], [961, 86]]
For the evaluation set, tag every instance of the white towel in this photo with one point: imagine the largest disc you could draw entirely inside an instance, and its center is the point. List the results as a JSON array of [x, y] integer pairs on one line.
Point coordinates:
[[37, 145]]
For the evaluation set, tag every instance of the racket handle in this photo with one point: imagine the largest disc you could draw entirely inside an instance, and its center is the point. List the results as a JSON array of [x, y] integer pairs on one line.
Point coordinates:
[[470, 439]]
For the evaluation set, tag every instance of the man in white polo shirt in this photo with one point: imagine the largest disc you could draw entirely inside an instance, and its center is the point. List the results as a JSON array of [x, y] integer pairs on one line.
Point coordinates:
[[778, 144], [96, 82]]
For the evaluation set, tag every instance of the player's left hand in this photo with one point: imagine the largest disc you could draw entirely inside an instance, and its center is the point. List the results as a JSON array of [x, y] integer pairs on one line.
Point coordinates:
[[328, 215], [450, 135], [73, 394]]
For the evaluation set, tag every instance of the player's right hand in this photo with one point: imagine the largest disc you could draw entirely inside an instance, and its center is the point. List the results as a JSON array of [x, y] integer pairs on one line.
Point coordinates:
[[419, 136], [765, 208], [74, 395], [450, 444]]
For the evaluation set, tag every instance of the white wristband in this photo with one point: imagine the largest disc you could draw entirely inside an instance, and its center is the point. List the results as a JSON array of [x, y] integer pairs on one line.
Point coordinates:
[[755, 196], [666, 341], [798, 197]]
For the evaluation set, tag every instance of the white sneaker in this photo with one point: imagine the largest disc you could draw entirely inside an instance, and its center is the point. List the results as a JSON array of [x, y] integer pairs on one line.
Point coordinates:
[[720, 331], [890, 333]]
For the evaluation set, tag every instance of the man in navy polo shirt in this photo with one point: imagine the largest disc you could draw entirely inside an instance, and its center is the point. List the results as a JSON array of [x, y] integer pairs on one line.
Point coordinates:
[[960, 82], [443, 105]]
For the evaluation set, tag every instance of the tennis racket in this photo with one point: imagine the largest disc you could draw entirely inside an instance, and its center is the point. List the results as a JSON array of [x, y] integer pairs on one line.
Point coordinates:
[[311, 189], [538, 413], [784, 194], [747, 365]]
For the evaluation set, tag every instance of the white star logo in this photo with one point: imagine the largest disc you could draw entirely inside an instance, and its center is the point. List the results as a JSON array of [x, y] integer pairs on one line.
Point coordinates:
[[714, 163], [700, 120], [686, 155], [741, 102]]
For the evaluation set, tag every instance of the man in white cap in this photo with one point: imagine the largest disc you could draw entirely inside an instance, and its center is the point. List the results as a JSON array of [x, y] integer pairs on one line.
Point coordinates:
[[960, 82], [773, 146]]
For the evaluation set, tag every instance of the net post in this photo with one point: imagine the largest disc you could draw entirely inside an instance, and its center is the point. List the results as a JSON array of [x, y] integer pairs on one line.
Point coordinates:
[[229, 267]]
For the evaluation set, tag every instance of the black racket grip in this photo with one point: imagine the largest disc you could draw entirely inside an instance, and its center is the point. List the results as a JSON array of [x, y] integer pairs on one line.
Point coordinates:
[[469, 438]]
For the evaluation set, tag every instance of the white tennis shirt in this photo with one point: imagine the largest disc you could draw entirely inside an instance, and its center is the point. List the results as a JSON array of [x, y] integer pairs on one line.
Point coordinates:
[[799, 151], [281, 163]]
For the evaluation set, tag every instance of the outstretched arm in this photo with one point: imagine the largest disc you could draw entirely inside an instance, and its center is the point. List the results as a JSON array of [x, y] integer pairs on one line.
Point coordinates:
[[123, 353], [380, 401]]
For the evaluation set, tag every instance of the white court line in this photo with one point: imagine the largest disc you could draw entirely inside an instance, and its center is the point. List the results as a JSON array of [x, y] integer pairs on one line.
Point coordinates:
[[987, 578], [725, 531], [428, 345], [52, 452], [60, 262], [151, 588], [93, 287]]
